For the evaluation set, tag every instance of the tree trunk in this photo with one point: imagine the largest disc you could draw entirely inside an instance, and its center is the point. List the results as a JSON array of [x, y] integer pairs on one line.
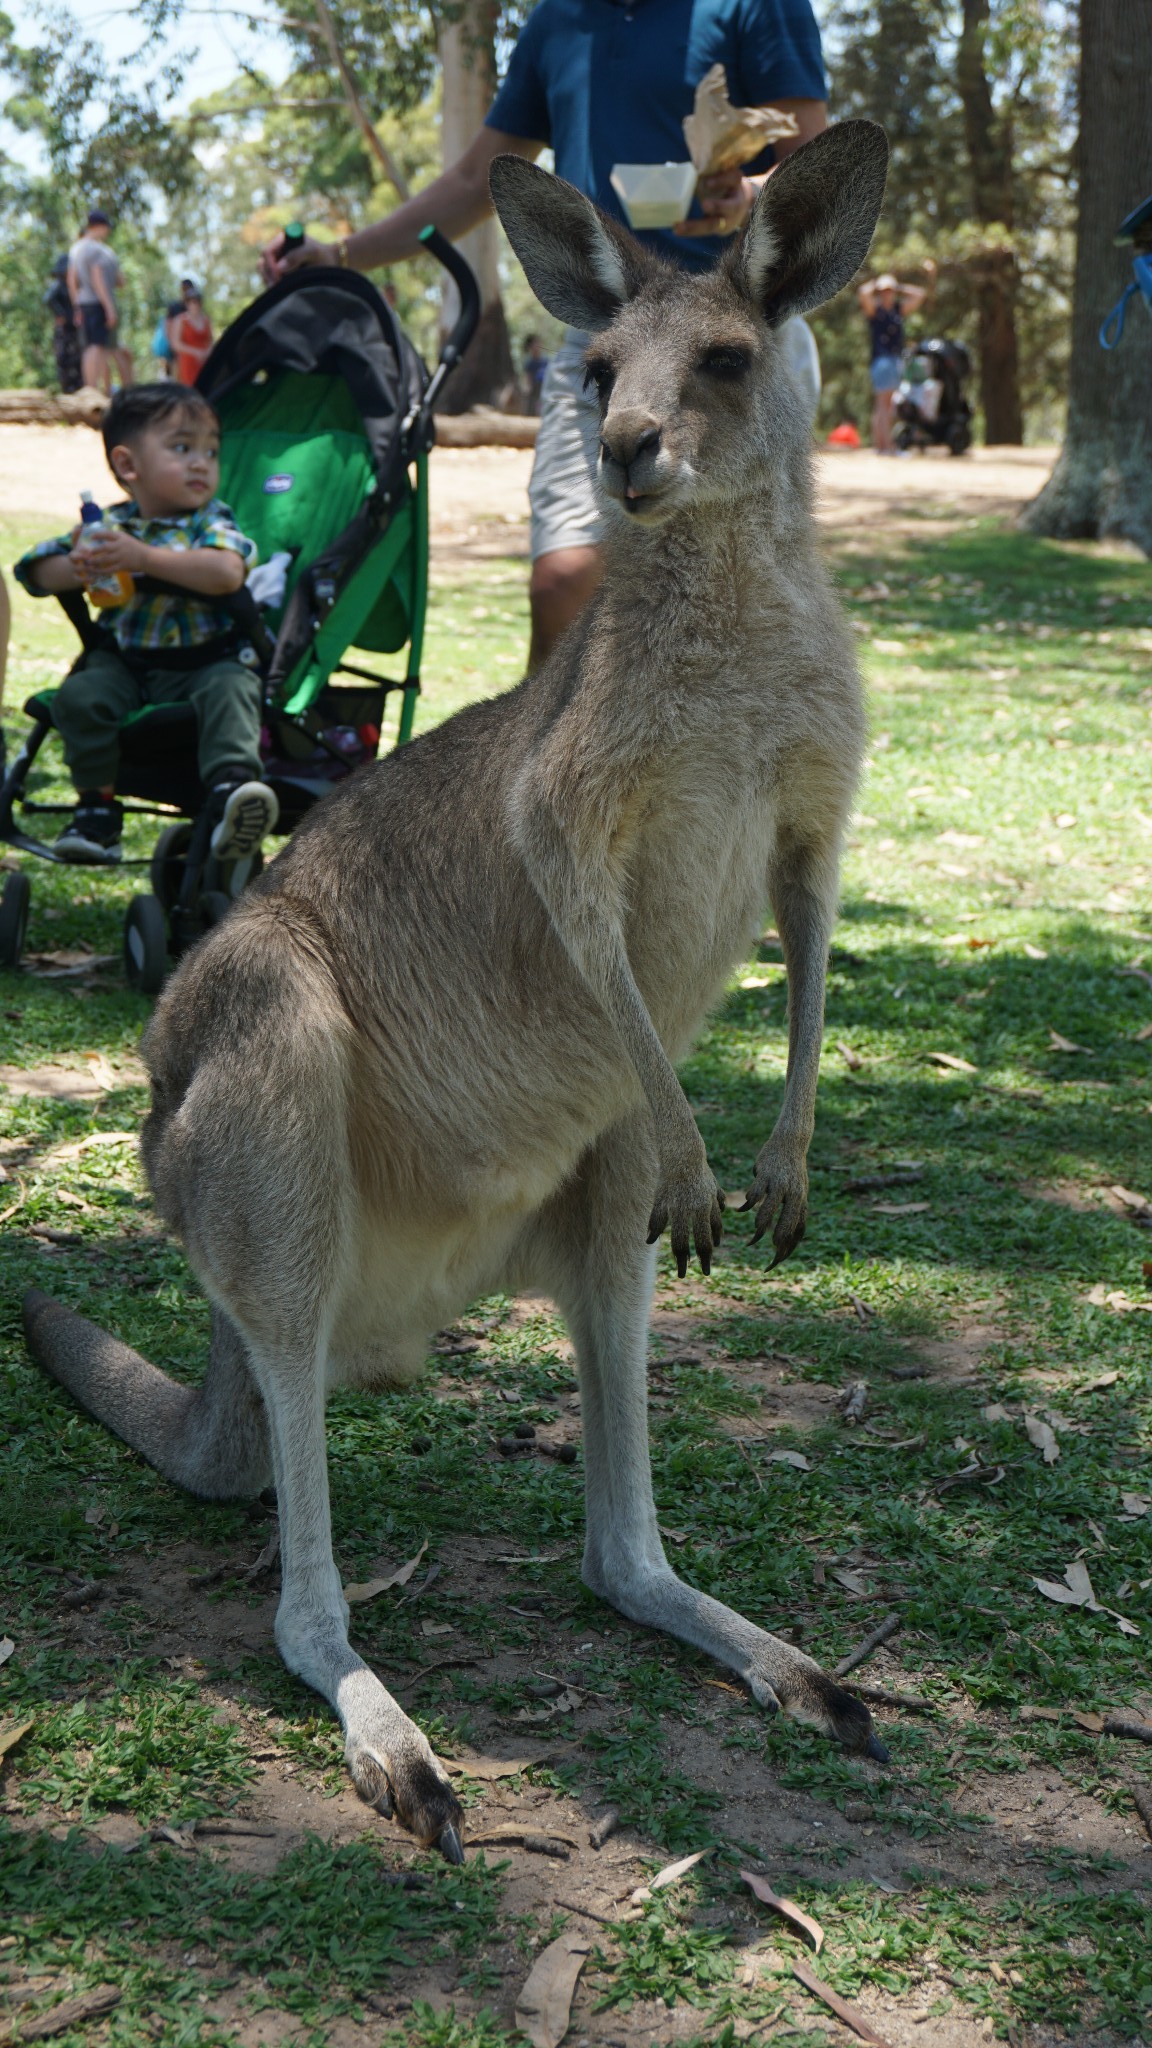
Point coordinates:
[[989, 141], [467, 58], [1102, 484]]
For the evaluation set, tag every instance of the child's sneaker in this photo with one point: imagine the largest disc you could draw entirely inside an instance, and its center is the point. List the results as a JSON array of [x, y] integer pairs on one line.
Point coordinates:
[[249, 814], [93, 831]]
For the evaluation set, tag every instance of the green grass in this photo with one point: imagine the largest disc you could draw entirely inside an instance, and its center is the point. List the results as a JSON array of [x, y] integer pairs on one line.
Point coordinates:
[[997, 890]]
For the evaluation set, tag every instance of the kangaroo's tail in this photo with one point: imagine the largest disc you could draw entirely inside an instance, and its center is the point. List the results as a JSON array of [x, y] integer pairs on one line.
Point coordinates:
[[211, 1439]]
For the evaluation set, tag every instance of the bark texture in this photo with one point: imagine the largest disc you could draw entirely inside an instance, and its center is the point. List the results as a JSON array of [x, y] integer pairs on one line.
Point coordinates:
[[989, 142], [468, 66], [1102, 484]]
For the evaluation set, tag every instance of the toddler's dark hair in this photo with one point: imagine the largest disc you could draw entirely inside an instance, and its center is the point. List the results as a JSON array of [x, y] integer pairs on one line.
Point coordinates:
[[141, 406]]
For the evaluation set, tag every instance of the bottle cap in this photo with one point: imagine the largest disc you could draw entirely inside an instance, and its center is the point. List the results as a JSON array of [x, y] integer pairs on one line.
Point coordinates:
[[89, 509]]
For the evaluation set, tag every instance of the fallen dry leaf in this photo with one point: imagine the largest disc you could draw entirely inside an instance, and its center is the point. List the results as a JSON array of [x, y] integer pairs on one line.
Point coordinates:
[[851, 1582], [1144, 1033], [1043, 1436], [889, 647], [356, 1594], [1058, 1043], [852, 1060], [1134, 1505], [953, 1062], [1040, 1713], [10, 1736], [1092, 1723], [838, 2005], [1077, 1591], [436, 1628], [1102, 1380], [544, 2007], [787, 1908], [6, 1648], [1034, 952], [996, 1412], [671, 1874], [488, 1769], [900, 1208], [795, 1458]]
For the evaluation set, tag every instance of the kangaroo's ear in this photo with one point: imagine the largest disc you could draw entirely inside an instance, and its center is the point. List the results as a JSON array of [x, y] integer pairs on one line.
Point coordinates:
[[582, 266], [811, 227]]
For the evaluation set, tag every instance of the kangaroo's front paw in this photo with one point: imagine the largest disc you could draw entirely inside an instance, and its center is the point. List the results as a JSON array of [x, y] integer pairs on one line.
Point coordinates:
[[779, 1189], [783, 1678], [687, 1205]]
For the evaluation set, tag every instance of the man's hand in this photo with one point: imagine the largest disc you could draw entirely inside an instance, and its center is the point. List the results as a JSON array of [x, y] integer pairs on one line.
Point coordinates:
[[726, 199], [276, 261]]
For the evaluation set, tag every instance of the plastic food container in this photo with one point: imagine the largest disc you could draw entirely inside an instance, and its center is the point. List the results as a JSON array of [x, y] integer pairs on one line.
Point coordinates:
[[654, 195]]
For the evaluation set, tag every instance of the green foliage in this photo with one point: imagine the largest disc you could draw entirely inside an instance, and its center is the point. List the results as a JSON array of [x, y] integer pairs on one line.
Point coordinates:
[[101, 135], [897, 62]]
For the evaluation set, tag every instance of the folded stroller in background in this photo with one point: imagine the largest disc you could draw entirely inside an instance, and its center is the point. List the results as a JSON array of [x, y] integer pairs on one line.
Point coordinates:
[[326, 422], [930, 409]]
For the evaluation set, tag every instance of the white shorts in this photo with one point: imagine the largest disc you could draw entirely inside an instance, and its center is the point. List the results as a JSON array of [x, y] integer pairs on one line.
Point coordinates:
[[561, 491]]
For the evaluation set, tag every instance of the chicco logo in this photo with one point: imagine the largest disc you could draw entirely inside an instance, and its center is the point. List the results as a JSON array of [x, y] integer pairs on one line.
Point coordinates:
[[282, 481]]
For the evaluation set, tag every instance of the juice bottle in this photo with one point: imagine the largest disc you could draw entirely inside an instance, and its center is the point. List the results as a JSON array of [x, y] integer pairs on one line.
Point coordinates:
[[117, 586]]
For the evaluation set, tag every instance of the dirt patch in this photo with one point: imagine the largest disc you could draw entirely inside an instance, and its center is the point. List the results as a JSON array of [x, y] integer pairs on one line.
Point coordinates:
[[59, 1083]]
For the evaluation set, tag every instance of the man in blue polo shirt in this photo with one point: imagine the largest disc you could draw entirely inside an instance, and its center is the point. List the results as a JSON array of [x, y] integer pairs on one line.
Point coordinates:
[[604, 82]]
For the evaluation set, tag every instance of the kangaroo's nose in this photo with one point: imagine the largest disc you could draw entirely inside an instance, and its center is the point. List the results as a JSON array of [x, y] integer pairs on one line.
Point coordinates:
[[625, 435]]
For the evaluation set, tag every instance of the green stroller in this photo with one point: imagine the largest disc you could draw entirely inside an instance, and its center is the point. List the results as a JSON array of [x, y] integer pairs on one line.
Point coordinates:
[[326, 419]]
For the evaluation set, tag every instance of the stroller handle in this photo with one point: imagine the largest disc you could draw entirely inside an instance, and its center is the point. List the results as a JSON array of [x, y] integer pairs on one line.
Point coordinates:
[[464, 278]]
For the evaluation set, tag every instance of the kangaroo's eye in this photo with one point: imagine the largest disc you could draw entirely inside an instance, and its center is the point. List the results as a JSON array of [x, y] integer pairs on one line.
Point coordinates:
[[598, 374], [727, 363]]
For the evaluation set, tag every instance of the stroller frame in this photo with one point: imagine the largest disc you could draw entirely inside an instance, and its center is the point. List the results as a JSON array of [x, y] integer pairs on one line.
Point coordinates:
[[190, 889]]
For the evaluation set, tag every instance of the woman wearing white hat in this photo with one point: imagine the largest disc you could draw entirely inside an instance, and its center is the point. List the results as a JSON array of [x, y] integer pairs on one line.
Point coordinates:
[[884, 302]]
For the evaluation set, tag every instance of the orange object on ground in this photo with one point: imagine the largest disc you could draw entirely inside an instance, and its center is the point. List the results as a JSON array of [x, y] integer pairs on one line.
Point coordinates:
[[844, 436]]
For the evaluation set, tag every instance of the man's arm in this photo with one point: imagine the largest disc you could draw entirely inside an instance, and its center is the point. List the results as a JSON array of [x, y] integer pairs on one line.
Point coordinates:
[[103, 294], [727, 199], [454, 202]]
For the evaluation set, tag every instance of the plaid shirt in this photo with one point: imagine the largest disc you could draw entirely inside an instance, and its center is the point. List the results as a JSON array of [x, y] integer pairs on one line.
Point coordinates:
[[160, 618]]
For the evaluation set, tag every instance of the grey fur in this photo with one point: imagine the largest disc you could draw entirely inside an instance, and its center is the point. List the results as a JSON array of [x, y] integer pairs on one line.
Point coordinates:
[[431, 1051]]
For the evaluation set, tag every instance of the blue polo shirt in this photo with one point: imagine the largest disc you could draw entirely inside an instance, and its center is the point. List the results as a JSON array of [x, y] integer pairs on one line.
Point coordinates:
[[610, 81]]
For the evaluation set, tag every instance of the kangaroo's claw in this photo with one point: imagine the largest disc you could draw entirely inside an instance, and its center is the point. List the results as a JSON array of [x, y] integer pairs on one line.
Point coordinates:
[[450, 1846]]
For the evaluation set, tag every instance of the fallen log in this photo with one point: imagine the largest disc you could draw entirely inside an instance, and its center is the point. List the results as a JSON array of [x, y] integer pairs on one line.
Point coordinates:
[[485, 428]]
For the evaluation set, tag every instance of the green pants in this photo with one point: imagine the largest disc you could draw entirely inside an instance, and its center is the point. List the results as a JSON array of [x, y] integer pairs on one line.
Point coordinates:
[[92, 704]]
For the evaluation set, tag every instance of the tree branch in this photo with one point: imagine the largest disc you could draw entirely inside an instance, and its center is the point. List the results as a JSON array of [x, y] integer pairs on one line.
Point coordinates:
[[376, 147]]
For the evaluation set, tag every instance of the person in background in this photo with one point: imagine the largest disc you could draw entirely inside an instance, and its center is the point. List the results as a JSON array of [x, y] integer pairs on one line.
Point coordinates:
[[884, 302], [65, 339], [189, 333], [94, 275], [535, 371], [603, 84]]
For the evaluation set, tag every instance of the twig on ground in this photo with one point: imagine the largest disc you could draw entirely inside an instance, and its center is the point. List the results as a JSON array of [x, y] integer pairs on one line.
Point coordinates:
[[1142, 1801], [909, 1701], [880, 1634], [57, 2020], [1124, 1724], [589, 1912], [226, 1824]]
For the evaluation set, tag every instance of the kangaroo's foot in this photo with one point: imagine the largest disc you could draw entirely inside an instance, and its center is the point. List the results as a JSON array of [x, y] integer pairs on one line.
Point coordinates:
[[779, 1677], [390, 1761]]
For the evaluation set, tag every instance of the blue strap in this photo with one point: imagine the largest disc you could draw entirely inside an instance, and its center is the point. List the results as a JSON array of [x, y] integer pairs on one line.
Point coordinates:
[[1112, 329]]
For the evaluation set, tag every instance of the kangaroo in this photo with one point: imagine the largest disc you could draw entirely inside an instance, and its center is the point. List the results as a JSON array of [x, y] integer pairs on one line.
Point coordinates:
[[429, 1053]]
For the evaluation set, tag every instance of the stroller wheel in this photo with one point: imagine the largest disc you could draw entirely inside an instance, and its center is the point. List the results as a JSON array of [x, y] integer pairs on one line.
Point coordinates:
[[14, 905], [168, 858], [145, 945]]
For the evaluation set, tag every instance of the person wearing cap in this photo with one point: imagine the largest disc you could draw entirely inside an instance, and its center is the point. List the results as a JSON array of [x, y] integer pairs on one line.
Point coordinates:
[[884, 302], [93, 276], [189, 333], [602, 82]]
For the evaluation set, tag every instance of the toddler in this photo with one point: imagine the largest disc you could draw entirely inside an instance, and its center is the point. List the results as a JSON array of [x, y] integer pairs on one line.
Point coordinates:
[[163, 445]]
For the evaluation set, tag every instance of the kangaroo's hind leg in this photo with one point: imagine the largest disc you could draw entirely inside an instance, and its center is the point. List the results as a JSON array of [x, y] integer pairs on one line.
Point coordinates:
[[602, 1274], [391, 1763]]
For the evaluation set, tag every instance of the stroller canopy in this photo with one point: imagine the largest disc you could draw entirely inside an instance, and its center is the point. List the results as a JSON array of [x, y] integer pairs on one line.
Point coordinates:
[[313, 383]]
